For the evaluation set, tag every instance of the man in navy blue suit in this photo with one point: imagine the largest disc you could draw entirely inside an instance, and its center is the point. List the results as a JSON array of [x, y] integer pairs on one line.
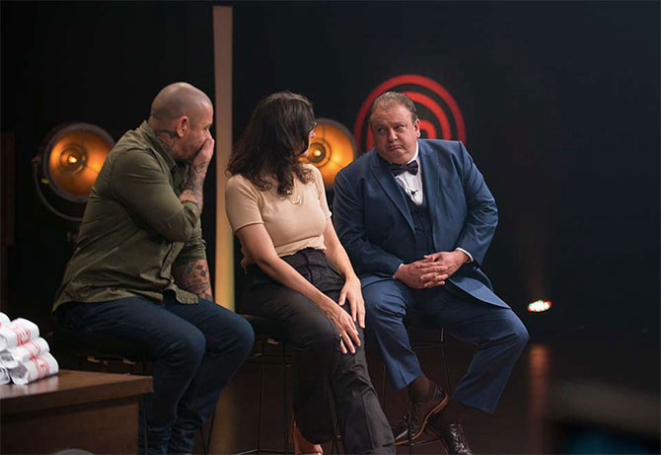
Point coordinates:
[[417, 218]]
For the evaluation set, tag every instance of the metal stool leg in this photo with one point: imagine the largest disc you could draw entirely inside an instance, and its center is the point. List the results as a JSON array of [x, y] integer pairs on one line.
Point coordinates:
[[448, 390], [383, 389], [259, 418], [285, 414], [408, 424], [446, 372]]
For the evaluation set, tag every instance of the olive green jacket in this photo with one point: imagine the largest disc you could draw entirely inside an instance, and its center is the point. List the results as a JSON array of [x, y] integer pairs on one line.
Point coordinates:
[[134, 228]]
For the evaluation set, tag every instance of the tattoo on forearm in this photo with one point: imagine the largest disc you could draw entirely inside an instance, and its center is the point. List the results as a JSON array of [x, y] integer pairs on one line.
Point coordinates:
[[193, 186], [201, 169], [194, 277]]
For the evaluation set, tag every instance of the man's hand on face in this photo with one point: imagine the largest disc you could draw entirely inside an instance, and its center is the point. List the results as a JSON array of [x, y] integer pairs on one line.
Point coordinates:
[[203, 156], [197, 172]]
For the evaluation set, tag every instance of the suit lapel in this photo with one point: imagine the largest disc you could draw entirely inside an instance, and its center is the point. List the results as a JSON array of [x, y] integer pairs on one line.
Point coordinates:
[[383, 175], [431, 180], [430, 177]]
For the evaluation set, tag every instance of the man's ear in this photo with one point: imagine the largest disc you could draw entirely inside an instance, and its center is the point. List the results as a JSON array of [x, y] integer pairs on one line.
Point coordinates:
[[416, 127], [182, 126]]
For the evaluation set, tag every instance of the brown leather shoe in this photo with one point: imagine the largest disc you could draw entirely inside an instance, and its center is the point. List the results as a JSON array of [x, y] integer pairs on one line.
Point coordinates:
[[417, 417], [451, 435]]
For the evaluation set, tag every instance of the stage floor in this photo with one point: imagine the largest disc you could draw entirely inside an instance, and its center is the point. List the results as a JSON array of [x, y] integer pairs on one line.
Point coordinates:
[[563, 390]]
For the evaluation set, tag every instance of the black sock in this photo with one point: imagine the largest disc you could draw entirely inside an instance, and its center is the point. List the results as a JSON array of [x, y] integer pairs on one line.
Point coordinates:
[[421, 389]]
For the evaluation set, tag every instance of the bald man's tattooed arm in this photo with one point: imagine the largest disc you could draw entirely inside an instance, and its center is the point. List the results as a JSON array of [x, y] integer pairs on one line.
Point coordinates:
[[193, 188], [194, 277]]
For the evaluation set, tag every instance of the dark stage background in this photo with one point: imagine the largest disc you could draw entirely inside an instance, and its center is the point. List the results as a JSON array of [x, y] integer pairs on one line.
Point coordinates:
[[560, 101]]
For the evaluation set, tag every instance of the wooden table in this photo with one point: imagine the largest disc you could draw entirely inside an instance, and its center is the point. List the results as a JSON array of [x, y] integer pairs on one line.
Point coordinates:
[[97, 412]]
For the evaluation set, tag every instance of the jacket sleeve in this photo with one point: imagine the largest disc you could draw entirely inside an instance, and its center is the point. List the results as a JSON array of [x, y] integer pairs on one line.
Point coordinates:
[[348, 217], [482, 214], [194, 250], [144, 189]]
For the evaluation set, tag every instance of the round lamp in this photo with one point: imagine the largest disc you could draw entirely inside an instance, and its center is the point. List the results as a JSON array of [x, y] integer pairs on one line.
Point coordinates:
[[70, 163], [332, 149]]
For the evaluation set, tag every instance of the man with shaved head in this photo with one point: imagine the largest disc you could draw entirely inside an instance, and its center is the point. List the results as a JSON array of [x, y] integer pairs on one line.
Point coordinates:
[[139, 272]]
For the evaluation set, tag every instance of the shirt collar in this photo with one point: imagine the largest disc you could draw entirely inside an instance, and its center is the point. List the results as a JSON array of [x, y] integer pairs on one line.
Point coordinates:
[[148, 132], [415, 157]]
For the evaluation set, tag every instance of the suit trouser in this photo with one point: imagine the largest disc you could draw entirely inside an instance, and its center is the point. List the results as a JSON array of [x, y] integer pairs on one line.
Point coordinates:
[[498, 333], [319, 367], [195, 348]]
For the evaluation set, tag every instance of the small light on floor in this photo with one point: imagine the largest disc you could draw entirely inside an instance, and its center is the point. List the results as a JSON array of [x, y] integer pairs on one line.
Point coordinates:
[[539, 306]]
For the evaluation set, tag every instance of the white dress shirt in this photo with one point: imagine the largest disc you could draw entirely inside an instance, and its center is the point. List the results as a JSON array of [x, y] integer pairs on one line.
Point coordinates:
[[412, 184]]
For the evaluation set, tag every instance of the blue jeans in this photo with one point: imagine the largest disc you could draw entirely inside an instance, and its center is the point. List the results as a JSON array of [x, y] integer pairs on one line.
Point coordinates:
[[195, 350]]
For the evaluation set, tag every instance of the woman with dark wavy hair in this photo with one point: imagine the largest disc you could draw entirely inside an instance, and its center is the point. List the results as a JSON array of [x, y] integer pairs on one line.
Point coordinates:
[[301, 276]]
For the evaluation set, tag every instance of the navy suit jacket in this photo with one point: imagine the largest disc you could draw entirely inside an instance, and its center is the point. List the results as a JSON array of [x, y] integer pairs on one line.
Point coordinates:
[[374, 223]]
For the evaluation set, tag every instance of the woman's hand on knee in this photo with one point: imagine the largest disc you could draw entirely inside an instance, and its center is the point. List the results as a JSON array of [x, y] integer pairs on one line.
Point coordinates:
[[351, 292], [349, 337], [346, 328]]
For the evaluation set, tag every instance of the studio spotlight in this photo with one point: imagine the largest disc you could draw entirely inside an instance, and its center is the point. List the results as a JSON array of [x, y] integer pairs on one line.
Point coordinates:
[[539, 306], [332, 149], [68, 166]]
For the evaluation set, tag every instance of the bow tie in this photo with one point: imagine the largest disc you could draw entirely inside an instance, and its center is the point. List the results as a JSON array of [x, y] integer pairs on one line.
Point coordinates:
[[411, 167]]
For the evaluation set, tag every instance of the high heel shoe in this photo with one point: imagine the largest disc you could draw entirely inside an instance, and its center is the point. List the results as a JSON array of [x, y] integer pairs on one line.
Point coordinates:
[[301, 445]]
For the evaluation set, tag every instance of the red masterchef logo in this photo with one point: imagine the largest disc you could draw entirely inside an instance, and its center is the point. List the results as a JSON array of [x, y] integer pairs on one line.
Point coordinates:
[[440, 116]]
